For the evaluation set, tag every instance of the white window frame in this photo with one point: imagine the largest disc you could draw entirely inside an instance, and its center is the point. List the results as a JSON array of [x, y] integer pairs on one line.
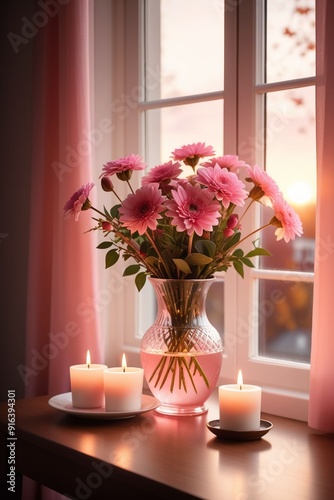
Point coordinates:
[[282, 382]]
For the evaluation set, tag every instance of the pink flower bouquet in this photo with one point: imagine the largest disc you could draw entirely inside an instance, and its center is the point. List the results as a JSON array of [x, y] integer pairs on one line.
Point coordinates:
[[181, 227]]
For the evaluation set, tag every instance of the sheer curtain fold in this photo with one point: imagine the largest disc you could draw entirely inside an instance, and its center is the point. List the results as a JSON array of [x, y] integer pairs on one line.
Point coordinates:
[[61, 282], [321, 407], [61, 323]]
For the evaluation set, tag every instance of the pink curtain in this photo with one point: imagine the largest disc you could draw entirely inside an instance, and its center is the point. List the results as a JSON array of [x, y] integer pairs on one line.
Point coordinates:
[[321, 408], [61, 322]]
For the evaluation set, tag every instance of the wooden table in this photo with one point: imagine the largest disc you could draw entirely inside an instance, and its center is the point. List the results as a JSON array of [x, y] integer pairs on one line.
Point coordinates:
[[152, 456]]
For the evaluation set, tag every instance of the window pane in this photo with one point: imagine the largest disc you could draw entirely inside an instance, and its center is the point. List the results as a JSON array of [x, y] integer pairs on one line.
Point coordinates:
[[291, 161], [290, 34], [191, 42], [215, 305], [285, 319], [180, 125]]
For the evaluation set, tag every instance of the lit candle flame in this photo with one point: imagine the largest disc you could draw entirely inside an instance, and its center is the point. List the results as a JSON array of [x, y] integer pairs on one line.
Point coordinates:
[[88, 359], [124, 362], [240, 381]]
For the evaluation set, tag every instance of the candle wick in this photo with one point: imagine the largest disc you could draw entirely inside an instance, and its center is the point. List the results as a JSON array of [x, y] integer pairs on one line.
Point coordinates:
[[123, 369], [240, 387]]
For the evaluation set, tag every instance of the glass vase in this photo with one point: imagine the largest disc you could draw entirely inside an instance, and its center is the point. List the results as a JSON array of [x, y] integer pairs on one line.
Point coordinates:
[[181, 353]]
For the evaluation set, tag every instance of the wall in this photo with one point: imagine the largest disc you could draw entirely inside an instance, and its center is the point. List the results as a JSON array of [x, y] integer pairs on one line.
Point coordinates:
[[15, 125]]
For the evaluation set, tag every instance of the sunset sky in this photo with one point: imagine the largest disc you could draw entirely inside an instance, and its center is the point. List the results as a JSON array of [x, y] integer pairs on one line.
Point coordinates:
[[192, 62]]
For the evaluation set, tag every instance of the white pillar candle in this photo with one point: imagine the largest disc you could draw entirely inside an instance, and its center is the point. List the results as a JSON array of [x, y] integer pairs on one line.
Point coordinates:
[[87, 384], [240, 406], [123, 387]]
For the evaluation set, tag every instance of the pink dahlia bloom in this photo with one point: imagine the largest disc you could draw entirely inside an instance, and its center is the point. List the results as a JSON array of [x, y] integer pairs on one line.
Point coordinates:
[[79, 201], [264, 184], [123, 167], [226, 185], [191, 153], [142, 209], [162, 174], [193, 209], [231, 162], [286, 220]]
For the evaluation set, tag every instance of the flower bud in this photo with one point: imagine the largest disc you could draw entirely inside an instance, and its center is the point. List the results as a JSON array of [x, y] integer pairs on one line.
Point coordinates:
[[106, 184], [233, 221], [106, 226], [228, 232]]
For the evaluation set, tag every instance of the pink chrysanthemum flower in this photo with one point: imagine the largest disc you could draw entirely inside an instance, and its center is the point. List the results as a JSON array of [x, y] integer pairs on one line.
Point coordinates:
[[193, 209], [286, 220], [123, 167], [191, 153], [231, 162], [79, 201], [163, 174], [226, 185], [142, 209], [265, 187]]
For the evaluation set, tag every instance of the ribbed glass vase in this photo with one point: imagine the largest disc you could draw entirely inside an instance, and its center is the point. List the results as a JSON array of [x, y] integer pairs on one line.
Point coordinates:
[[181, 353]]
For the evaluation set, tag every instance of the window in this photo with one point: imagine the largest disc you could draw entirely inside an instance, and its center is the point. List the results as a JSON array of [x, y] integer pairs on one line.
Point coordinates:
[[249, 99], [277, 128], [184, 103]]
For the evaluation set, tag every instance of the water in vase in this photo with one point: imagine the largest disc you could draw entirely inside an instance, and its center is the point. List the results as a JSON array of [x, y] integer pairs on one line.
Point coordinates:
[[181, 381]]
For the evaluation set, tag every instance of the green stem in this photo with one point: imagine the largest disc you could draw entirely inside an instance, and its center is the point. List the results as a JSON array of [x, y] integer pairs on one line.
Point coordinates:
[[105, 216], [136, 254], [249, 235], [246, 210], [119, 199], [169, 275], [132, 191], [190, 243]]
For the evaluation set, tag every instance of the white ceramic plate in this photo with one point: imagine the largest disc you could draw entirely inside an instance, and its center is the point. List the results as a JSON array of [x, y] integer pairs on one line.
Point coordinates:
[[63, 402]]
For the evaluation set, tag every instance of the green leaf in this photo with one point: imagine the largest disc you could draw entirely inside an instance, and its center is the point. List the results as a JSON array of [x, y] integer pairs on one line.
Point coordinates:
[[114, 211], [198, 259], [232, 241], [205, 247], [182, 265], [238, 253], [247, 262], [151, 260], [105, 244], [111, 258], [140, 280], [133, 269], [224, 267], [257, 251], [105, 211], [145, 247], [239, 267]]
